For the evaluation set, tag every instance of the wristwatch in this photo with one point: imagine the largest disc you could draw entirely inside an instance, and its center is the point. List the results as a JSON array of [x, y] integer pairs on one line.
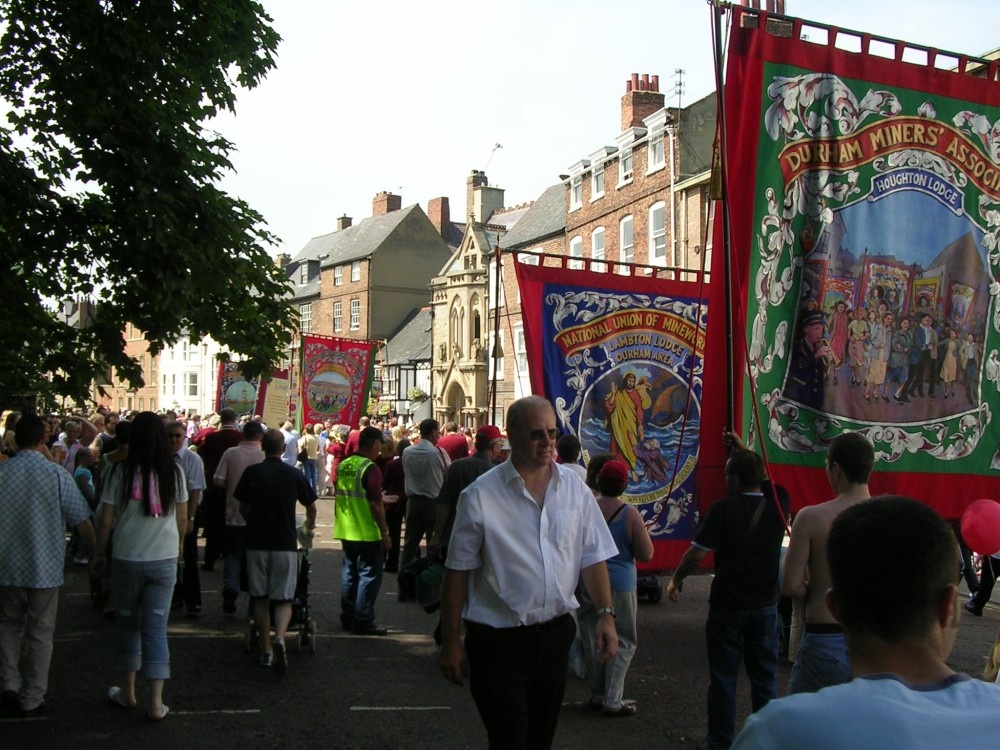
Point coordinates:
[[606, 611]]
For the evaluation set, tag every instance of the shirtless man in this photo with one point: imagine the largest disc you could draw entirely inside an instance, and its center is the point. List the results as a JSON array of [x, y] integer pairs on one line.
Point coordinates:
[[822, 656]]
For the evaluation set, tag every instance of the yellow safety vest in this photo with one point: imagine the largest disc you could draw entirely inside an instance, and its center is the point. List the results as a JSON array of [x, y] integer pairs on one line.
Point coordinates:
[[353, 519]]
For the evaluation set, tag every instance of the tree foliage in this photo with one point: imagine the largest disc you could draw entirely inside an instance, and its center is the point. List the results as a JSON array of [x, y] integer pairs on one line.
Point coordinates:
[[109, 187]]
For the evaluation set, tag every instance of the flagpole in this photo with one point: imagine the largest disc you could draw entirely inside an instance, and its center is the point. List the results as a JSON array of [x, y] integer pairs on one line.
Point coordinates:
[[719, 8]]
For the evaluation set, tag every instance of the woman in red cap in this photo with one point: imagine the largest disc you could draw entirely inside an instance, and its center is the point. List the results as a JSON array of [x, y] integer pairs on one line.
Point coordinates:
[[607, 681]]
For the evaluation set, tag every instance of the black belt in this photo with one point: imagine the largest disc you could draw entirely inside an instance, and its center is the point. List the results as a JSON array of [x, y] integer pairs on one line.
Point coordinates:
[[823, 628], [537, 626]]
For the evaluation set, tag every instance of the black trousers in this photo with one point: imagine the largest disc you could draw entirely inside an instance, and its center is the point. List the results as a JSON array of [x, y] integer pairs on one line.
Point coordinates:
[[212, 515], [517, 677], [188, 587]]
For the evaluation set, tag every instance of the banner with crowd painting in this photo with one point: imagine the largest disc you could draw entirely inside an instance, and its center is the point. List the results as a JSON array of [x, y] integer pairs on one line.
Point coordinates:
[[335, 377], [866, 244], [234, 391], [622, 360]]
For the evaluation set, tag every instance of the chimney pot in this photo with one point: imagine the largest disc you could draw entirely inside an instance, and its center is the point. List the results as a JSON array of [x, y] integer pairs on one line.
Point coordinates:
[[642, 100]]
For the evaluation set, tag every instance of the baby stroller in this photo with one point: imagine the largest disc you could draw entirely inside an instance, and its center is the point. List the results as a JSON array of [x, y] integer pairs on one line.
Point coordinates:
[[301, 622]]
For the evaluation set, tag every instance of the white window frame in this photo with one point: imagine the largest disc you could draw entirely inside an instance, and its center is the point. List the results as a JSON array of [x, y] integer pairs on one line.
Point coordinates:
[[598, 250], [304, 273], [576, 193], [597, 183], [355, 314], [189, 385], [338, 275], [625, 167], [626, 242], [305, 317], [338, 317], [658, 236], [522, 381], [356, 271], [493, 299], [657, 156], [489, 356], [576, 251]]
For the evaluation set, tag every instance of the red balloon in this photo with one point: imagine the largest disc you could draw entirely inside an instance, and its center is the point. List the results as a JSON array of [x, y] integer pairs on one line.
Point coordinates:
[[981, 526]]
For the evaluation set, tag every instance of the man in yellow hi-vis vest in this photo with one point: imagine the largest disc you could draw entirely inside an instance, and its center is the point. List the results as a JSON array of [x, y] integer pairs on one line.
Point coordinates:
[[361, 528]]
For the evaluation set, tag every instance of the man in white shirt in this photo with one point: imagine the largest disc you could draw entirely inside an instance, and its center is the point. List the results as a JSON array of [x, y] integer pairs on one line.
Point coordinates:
[[290, 455], [187, 591], [424, 467], [899, 637], [525, 532], [234, 461]]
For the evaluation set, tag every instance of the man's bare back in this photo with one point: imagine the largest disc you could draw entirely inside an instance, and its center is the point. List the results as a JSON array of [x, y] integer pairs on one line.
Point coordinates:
[[806, 574]]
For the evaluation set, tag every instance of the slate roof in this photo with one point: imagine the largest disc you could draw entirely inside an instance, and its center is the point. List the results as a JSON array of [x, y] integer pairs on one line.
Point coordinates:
[[545, 217], [412, 342], [354, 242]]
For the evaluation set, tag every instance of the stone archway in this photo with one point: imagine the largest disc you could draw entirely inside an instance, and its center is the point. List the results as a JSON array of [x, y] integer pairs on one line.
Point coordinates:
[[454, 403]]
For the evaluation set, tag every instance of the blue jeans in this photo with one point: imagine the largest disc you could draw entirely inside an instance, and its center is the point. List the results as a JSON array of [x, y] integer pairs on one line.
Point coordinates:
[[142, 594], [360, 581], [309, 469], [820, 662], [750, 635]]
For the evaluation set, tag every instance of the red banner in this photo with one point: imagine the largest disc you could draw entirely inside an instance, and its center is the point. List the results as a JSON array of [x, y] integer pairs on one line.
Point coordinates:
[[864, 206], [335, 379]]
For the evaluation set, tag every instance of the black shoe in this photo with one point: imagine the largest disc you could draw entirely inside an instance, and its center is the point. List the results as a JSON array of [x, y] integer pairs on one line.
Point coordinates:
[[39, 709], [972, 609], [229, 601], [369, 629], [280, 663], [9, 702], [194, 610]]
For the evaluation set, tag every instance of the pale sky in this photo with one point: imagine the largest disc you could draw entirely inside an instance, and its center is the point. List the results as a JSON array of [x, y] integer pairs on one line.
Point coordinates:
[[410, 97]]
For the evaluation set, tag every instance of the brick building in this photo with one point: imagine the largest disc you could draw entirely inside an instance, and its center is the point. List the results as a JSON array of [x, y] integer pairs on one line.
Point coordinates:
[[645, 199]]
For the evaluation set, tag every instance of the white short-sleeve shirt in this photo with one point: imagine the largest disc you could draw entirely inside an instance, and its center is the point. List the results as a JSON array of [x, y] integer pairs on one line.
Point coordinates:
[[525, 559]]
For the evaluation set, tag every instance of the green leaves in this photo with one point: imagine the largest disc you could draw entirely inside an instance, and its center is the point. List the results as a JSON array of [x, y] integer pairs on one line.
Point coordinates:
[[108, 186]]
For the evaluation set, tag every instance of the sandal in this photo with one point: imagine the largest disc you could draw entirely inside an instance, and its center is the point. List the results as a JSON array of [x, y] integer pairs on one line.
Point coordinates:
[[116, 697], [626, 709]]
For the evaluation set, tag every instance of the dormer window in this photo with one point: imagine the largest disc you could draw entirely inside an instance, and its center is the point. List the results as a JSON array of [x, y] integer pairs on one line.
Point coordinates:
[[576, 194], [625, 167], [304, 274], [657, 160], [597, 182]]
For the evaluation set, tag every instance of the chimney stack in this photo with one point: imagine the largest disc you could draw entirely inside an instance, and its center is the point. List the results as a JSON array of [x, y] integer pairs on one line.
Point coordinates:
[[343, 222], [385, 203], [642, 98], [476, 179], [439, 212], [282, 259]]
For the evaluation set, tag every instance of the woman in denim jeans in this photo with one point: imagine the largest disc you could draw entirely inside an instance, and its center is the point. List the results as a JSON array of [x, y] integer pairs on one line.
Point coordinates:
[[140, 497]]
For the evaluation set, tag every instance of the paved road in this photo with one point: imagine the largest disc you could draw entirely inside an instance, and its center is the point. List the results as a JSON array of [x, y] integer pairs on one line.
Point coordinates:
[[365, 693]]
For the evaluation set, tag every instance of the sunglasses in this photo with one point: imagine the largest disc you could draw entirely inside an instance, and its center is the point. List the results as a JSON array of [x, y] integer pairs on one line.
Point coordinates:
[[536, 435]]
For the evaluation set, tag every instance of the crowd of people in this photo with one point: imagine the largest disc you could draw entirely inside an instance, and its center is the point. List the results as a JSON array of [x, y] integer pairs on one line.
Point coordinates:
[[893, 357], [538, 552]]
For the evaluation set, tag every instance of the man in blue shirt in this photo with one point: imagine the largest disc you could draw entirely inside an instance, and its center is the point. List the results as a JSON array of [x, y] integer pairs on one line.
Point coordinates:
[[39, 499], [899, 637]]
